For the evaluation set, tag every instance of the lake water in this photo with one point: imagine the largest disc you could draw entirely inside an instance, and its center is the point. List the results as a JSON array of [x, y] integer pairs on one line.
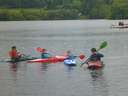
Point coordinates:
[[32, 79]]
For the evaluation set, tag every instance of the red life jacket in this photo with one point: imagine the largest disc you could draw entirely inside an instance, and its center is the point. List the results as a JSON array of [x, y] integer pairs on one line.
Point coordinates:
[[13, 54]]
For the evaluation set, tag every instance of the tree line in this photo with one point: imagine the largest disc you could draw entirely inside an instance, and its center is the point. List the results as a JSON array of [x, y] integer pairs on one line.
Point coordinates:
[[63, 9]]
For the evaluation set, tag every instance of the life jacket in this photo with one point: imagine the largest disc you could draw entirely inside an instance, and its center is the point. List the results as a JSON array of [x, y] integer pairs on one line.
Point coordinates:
[[13, 54], [45, 55], [96, 56]]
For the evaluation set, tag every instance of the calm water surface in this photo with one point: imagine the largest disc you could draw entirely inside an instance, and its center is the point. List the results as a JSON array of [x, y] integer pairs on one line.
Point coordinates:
[[26, 79]]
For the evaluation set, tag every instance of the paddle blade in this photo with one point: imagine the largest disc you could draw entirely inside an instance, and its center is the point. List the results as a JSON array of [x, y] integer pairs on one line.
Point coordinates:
[[40, 49], [103, 45], [81, 56]]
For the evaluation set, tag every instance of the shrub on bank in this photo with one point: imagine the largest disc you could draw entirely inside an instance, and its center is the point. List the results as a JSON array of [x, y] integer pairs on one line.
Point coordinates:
[[38, 14]]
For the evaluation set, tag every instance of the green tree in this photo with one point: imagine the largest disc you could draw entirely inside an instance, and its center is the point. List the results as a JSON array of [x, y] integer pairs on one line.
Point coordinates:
[[120, 9], [101, 12]]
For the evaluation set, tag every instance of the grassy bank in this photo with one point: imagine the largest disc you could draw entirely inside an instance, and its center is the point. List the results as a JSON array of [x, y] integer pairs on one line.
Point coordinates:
[[38, 14]]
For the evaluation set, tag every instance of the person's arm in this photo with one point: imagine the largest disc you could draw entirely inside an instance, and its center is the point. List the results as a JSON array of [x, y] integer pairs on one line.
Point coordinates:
[[19, 54], [100, 55]]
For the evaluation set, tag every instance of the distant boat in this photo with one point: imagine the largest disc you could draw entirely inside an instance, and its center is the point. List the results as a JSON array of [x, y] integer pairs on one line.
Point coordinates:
[[120, 25]]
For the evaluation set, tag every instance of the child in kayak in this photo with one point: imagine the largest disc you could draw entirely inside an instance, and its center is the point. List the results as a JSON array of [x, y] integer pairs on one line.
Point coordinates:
[[45, 54], [14, 54], [70, 55], [121, 23], [95, 55]]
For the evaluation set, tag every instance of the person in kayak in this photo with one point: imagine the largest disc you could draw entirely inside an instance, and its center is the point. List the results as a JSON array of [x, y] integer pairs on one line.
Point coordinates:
[[70, 55], [45, 54], [14, 54], [95, 56], [121, 23]]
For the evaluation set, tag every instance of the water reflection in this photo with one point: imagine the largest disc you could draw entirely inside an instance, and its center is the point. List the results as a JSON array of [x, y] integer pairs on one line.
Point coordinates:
[[95, 74], [69, 68], [13, 70], [14, 67], [44, 66], [99, 83]]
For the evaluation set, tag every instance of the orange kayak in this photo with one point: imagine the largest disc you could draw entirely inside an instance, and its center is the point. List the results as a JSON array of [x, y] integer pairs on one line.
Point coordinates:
[[95, 64]]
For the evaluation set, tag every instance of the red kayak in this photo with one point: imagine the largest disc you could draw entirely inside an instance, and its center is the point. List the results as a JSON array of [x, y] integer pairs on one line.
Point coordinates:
[[49, 60], [95, 64]]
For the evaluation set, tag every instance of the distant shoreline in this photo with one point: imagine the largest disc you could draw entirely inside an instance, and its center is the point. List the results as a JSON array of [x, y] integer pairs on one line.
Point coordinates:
[[35, 14], [21, 14]]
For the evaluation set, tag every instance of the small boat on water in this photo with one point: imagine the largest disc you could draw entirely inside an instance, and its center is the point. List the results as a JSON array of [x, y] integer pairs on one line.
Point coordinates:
[[70, 62], [120, 25]]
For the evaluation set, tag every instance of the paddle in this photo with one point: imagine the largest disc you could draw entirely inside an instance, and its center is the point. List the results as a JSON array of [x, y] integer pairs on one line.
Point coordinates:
[[81, 56], [102, 45], [39, 49]]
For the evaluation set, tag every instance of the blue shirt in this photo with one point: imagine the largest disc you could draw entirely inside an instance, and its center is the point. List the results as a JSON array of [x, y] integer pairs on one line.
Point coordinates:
[[45, 55]]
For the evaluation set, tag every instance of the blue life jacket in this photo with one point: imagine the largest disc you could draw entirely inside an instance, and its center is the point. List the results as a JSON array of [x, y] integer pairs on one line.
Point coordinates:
[[45, 55]]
